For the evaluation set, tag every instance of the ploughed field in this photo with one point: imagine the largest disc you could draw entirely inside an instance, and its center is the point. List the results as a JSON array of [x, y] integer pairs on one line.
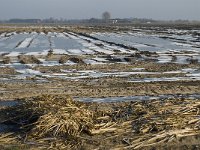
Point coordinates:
[[149, 73], [89, 62]]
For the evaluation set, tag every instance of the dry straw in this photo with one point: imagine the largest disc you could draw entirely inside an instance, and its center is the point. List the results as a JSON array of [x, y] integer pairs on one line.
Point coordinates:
[[57, 121]]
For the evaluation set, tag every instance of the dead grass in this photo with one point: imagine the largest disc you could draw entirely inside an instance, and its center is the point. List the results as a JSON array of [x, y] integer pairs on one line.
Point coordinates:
[[58, 122], [63, 59], [61, 117], [28, 59], [52, 118], [6, 60]]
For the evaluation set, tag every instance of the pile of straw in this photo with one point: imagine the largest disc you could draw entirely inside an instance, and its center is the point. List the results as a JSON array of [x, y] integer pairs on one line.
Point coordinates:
[[60, 117], [57, 121], [47, 118]]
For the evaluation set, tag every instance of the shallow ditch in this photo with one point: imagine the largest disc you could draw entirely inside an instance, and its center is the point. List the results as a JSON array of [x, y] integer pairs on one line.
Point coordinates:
[[139, 98], [11, 103]]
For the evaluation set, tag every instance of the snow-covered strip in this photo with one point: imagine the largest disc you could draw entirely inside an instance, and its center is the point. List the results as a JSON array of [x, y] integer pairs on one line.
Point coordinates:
[[194, 75], [29, 71], [43, 53], [59, 51], [88, 51], [33, 53], [35, 33], [61, 35], [188, 70], [182, 44], [100, 59], [161, 79], [13, 54], [106, 49], [164, 59], [138, 69], [2, 35], [122, 50], [71, 36], [75, 51], [65, 77], [42, 33], [92, 62], [50, 63], [25, 43], [137, 98], [70, 63], [74, 74], [89, 39], [178, 54], [145, 41], [101, 50], [11, 33], [125, 74], [18, 66], [173, 72], [85, 44]]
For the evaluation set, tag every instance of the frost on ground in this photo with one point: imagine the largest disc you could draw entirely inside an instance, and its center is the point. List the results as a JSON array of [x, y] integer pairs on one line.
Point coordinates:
[[133, 87]]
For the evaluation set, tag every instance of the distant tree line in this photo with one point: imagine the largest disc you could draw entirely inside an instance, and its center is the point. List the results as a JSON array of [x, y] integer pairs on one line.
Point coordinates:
[[106, 18]]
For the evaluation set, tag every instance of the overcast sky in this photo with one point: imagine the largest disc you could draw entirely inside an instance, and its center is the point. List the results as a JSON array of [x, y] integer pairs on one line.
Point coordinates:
[[82, 9]]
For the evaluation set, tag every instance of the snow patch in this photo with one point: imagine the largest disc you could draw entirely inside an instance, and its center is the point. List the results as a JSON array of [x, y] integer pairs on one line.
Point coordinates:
[[13, 54], [59, 51], [25, 43]]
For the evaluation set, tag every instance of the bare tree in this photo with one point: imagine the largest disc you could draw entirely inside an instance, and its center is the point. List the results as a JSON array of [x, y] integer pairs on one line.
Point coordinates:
[[106, 16]]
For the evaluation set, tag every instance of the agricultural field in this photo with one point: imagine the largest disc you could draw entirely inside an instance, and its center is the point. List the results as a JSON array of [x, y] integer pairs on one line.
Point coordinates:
[[131, 87]]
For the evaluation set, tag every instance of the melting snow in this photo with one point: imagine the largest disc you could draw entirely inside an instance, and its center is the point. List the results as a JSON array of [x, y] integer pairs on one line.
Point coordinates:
[[25, 43], [13, 54]]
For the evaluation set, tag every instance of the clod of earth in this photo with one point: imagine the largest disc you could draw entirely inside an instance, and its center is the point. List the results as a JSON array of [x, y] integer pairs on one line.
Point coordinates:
[[77, 60], [63, 59], [6, 60], [192, 61], [28, 59]]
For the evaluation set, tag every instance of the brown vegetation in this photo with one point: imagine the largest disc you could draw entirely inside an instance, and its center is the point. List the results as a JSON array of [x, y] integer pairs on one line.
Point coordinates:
[[6, 60], [28, 59], [56, 121]]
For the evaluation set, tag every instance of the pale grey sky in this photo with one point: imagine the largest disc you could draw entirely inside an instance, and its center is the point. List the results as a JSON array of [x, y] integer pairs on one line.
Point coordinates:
[[82, 9]]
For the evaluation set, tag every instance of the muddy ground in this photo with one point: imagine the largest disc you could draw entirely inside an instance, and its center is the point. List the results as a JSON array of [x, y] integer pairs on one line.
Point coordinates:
[[110, 86], [143, 115]]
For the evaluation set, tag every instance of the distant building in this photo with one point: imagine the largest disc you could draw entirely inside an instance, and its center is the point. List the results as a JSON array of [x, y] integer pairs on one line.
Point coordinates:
[[114, 21]]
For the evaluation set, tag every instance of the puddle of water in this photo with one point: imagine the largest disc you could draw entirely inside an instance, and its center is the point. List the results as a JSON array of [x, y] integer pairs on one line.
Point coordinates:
[[160, 79], [8, 127], [8, 103], [138, 98]]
